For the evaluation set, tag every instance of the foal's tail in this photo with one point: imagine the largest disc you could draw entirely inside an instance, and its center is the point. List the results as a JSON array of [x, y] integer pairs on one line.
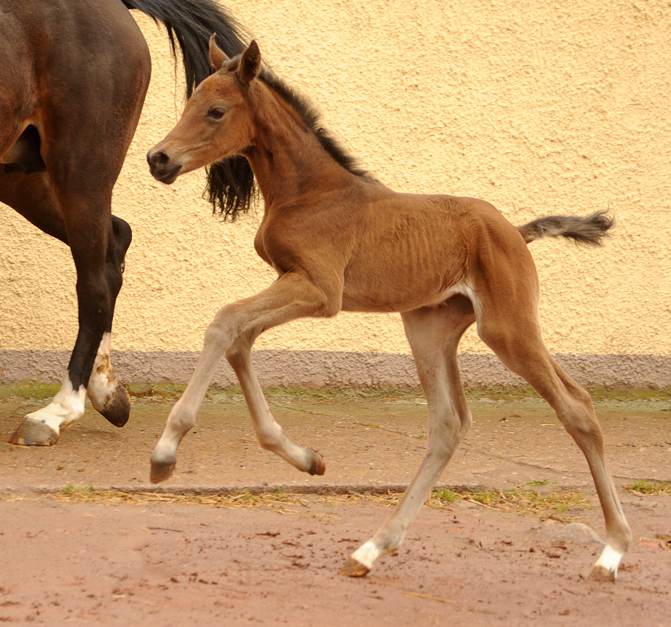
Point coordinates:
[[589, 231], [190, 24]]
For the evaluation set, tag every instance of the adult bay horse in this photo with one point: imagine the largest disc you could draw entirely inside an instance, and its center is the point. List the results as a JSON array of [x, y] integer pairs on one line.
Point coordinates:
[[73, 79], [341, 241]]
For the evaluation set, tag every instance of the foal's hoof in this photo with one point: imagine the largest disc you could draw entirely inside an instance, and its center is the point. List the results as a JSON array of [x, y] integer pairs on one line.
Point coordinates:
[[601, 573], [317, 466], [117, 408], [161, 470], [33, 433], [354, 568]]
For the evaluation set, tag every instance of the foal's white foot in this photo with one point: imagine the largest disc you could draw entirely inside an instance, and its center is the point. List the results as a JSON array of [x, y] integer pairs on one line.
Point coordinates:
[[360, 563], [43, 427], [606, 567]]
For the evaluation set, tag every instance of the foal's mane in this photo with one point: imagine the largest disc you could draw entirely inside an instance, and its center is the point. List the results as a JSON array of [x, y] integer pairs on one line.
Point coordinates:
[[310, 117], [238, 198]]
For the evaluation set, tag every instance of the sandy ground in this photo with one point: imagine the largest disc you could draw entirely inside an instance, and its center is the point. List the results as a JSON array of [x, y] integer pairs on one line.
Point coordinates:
[[276, 561]]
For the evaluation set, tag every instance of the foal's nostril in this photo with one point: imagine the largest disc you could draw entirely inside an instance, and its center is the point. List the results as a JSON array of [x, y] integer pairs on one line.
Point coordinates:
[[158, 159]]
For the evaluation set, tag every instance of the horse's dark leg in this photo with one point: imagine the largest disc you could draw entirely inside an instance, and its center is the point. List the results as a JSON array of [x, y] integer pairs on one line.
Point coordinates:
[[33, 197], [107, 395], [86, 109]]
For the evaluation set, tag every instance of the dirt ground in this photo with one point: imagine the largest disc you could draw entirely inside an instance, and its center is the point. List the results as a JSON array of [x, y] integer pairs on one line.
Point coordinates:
[[82, 555]]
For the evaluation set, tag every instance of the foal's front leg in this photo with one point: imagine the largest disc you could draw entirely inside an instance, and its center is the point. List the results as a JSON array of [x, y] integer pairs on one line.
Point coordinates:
[[268, 431], [232, 332]]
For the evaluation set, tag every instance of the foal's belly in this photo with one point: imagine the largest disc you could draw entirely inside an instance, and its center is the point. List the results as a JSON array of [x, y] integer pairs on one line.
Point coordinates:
[[395, 284]]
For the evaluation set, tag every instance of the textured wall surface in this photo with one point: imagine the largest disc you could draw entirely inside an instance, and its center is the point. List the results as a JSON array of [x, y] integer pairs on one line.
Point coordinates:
[[537, 107]]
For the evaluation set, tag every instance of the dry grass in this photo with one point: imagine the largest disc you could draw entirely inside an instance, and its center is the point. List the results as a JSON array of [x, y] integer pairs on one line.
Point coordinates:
[[558, 504], [648, 488]]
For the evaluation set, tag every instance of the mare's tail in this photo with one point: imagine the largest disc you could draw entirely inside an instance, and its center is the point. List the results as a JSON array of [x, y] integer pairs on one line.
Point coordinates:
[[190, 24], [589, 231]]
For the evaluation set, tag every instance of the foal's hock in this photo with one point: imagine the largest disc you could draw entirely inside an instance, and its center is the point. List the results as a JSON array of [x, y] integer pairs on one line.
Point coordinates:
[[341, 241]]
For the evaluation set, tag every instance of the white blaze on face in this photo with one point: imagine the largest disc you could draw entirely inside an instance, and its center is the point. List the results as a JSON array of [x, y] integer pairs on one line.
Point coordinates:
[[102, 383], [66, 407]]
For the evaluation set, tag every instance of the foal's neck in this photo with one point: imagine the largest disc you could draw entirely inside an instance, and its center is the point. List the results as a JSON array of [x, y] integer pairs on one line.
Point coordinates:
[[287, 158]]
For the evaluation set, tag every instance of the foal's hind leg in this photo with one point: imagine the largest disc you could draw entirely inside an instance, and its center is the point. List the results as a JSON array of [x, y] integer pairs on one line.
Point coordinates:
[[434, 334], [513, 333], [232, 333], [32, 196]]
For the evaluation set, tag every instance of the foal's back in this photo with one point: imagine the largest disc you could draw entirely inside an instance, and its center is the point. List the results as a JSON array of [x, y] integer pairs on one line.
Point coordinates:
[[406, 251]]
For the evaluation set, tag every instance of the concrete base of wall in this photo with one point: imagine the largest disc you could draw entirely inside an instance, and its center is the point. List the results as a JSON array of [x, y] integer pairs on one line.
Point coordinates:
[[331, 369]]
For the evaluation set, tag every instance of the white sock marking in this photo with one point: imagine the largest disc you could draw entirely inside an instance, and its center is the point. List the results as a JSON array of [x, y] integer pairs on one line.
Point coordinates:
[[66, 407], [610, 559], [366, 554]]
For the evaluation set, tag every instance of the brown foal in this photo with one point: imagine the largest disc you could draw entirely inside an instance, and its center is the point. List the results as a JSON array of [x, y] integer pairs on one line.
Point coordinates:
[[341, 241]]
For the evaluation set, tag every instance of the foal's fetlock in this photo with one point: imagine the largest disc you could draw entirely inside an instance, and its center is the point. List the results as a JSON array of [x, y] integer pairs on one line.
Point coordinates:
[[162, 468]]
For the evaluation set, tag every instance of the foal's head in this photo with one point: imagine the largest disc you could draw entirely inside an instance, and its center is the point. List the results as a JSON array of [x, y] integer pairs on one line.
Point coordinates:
[[216, 122]]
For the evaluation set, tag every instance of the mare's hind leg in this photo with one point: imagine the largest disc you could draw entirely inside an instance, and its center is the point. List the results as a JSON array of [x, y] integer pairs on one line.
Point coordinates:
[[107, 395], [232, 333], [433, 333], [32, 196], [513, 333]]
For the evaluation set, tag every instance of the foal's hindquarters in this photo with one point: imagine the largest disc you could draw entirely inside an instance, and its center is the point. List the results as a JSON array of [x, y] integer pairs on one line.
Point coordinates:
[[496, 287], [500, 293]]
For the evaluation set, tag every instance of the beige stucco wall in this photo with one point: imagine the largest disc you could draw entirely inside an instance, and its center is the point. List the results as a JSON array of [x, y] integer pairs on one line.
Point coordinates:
[[537, 107]]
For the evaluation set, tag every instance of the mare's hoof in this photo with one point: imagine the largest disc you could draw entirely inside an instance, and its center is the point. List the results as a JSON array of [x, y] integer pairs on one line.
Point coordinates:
[[161, 470], [117, 408], [317, 467], [33, 433], [354, 568], [601, 573]]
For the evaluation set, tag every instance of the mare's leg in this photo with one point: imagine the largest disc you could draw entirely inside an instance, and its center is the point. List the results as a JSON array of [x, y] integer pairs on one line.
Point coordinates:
[[512, 330], [88, 112], [232, 333], [32, 196], [434, 334], [107, 395]]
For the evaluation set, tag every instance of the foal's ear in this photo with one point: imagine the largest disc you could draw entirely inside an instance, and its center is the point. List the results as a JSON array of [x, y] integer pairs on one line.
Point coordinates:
[[217, 55], [250, 63]]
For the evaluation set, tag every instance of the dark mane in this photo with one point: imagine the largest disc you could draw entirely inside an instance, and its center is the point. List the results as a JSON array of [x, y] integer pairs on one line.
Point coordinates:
[[310, 117], [241, 188]]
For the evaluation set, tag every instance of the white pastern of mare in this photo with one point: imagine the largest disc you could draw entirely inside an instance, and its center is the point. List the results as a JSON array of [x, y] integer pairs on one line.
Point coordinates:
[[66, 407]]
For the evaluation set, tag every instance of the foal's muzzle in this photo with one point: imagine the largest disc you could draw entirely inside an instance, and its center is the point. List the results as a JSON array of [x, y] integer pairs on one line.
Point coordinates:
[[161, 167]]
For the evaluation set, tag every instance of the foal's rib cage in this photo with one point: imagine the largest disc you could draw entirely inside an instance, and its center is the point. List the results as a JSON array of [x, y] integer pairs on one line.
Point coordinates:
[[341, 241]]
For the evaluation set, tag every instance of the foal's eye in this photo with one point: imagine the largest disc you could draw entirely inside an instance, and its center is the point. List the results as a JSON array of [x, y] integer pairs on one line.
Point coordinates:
[[216, 114]]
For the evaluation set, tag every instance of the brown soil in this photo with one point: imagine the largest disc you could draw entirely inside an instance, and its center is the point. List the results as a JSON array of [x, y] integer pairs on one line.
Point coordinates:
[[275, 559]]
